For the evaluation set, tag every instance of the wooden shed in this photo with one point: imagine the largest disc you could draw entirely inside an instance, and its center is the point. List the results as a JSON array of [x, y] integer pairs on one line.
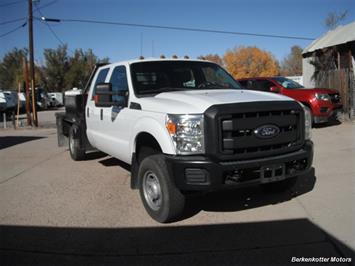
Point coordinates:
[[328, 62]]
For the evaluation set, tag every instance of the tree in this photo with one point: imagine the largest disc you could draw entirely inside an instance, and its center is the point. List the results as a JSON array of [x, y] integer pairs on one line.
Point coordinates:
[[323, 61], [244, 62], [56, 67], [213, 58], [60, 71], [11, 69], [80, 67], [333, 19], [292, 64]]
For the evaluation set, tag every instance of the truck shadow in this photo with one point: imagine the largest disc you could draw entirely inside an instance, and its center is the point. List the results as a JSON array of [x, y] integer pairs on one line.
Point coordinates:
[[246, 198], [111, 161], [252, 243], [233, 200], [106, 160], [94, 155], [9, 141], [330, 123]]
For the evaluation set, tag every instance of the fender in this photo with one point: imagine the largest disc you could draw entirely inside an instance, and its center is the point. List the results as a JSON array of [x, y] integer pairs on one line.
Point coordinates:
[[154, 127]]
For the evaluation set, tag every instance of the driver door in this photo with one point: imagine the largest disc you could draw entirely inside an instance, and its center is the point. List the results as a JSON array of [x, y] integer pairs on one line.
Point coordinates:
[[116, 125]]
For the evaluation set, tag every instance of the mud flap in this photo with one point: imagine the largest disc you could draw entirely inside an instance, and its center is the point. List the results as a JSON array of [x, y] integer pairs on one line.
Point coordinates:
[[62, 139]]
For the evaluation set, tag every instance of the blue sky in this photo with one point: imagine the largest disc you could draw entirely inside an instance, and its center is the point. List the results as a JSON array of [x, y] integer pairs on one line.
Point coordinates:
[[280, 17]]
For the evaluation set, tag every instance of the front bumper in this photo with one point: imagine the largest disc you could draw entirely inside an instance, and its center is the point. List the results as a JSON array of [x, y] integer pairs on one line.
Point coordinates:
[[199, 173], [323, 112]]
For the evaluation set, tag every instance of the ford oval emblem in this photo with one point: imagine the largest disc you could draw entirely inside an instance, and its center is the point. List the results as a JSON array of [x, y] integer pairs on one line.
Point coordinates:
[[267, 131]]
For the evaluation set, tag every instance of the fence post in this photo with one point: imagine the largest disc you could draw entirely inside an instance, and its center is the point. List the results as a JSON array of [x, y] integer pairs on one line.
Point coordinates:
[[4, 118]]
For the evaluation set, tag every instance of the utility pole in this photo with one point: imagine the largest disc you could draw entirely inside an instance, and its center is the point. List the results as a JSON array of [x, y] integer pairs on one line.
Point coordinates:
[[32, 65], [27, 90]]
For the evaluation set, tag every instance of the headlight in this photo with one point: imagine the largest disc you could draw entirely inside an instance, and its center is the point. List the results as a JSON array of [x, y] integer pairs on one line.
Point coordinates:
[[187, 133], [307, 122], [322, 96]]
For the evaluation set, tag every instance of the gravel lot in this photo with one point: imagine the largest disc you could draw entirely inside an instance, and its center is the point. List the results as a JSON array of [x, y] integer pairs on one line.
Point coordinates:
[[54, 211]]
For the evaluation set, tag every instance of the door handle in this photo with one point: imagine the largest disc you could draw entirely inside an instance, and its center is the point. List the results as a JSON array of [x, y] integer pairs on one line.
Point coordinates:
[[101, 114]]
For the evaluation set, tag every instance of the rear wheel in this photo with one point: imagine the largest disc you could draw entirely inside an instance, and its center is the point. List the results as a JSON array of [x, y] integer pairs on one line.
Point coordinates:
[[77, 152], [161, 199]]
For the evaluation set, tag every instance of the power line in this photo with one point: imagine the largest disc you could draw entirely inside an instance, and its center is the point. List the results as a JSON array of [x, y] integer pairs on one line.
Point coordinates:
[[50, 28], [13, 30], [12, 3], [46, 5], [182, 29], [11, 21], [52, 31]]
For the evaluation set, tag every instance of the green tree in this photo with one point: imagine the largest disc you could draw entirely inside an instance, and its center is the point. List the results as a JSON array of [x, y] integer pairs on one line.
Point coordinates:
[[56, 67], [292, 64], [80, 67], [11, 69]]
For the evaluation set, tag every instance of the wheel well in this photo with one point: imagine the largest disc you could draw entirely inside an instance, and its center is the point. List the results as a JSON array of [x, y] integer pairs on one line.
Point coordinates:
[[146, 145], [308, 105]]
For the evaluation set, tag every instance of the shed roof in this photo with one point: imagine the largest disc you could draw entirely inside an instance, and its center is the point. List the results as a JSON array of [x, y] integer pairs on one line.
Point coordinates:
[[340, 35]]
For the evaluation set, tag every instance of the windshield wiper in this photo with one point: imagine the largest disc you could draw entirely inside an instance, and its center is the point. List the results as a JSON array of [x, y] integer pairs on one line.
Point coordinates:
[[160, 90], [211, 85]]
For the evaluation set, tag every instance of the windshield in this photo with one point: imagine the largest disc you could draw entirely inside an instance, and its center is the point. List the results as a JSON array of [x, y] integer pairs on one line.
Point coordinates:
[[288, 83], [162, 76]]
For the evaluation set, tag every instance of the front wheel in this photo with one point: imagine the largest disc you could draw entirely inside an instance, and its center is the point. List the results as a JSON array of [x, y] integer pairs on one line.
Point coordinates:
[[160, 197], [77, 153]]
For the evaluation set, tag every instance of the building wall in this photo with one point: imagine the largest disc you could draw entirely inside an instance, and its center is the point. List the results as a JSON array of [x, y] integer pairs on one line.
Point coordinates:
[[307, 73]]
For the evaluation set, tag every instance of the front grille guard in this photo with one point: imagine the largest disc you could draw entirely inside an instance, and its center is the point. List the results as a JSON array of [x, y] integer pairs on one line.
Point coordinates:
[[253, 115]]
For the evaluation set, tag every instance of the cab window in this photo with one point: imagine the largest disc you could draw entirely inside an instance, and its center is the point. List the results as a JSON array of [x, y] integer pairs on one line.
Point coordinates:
[[119, 84], [101, 77]]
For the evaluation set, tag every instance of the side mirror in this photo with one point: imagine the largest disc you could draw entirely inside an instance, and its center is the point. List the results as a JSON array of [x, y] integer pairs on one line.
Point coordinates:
[[275, 89], [103, 95]]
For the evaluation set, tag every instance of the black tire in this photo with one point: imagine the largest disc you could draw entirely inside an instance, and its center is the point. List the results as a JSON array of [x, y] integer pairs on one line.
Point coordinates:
[[280, 186], [170, 200], [77, 153]]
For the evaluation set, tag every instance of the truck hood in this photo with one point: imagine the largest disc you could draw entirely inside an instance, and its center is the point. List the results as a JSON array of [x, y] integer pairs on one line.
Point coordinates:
[[194, 102]]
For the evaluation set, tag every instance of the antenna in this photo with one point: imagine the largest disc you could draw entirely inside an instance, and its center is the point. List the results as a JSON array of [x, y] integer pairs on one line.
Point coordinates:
[[141, 43]]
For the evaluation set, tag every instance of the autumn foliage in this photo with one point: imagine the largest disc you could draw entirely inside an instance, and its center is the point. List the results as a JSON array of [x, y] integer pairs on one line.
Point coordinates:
[[244, 62]]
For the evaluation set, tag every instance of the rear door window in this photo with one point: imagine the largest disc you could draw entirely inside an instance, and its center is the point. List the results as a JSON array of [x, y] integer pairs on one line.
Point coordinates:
[[101, 77]]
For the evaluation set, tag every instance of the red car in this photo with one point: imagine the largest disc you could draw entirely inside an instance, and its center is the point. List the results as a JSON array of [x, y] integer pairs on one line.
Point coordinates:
[[324, 103]]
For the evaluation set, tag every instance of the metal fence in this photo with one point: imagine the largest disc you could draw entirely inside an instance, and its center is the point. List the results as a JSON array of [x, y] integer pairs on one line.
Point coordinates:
[[343, 81]]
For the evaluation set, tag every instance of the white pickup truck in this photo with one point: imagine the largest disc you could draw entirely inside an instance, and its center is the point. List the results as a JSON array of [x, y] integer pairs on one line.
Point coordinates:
[[186, 126]]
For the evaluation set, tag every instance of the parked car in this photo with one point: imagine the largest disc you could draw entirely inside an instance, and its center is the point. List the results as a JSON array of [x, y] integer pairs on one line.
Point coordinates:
[[43, 100], [186, 126], [2, 102], [11, 100], [56, 99], [323, 103], [22, 100]]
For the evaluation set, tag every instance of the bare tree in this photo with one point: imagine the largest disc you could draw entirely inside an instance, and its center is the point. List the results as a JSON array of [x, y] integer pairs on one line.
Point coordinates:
[[212, 57], [334, 18], [291, 65]]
